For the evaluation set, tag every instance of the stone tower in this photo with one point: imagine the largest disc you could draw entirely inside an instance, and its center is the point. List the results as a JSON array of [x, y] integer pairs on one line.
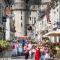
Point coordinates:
[[19, 10]]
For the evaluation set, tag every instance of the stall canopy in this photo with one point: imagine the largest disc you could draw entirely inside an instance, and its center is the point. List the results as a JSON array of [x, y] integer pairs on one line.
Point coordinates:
[[23, 36], [52, 33]]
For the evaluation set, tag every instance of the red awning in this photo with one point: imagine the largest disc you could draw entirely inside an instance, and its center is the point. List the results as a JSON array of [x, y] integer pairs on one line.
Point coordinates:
[[23, 36]]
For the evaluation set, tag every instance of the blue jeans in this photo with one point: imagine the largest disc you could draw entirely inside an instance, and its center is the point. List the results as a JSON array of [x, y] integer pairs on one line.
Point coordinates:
[[42, 57]]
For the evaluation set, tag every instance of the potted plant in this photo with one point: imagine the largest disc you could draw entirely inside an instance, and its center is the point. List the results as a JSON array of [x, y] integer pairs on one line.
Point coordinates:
[[4, 45]]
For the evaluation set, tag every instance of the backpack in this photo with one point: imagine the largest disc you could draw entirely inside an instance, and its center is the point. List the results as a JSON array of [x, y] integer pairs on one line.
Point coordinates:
[[13, 46]]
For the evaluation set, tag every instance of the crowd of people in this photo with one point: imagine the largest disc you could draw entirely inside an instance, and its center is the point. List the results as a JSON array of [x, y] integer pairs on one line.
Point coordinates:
[[35, 52]]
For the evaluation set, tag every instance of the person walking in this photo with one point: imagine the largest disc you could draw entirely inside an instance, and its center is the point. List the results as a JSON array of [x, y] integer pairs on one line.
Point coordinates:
[[42, 52], [37, 54], [33, 52], [26, 51], [30, 49], [47, 52], [14, 49]]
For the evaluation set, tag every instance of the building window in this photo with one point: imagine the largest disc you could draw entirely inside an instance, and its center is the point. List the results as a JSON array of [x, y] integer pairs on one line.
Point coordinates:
[[34, 7], [34, 21], [34, 18], [54, 12], [40, 23], [57, 10], [21, 24], [30, 18], [21, 17], [59, 38]]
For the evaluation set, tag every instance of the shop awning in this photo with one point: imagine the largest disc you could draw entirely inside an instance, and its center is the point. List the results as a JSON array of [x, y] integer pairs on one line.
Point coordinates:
[[23, 36], [52, 33]]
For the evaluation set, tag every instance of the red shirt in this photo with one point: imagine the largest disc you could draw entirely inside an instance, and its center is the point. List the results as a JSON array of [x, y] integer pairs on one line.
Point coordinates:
[[37, 54]]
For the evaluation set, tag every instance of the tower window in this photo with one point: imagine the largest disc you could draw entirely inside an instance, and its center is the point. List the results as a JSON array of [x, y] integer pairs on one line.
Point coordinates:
[[21, 17], [57, 10], [59, 38], [54, 12], [34, 7], [40, 23], [34, 18], [34, 21], [21, 24], [30, 18]]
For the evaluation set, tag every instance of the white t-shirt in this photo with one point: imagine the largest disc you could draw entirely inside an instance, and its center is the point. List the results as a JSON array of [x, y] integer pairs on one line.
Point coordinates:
[[47, 55], [30, 46]]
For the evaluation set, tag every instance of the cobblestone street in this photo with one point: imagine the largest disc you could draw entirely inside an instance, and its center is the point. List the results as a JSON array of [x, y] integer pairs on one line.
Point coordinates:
[[12, 59], [15, 58], [20, 59], [8, 57]]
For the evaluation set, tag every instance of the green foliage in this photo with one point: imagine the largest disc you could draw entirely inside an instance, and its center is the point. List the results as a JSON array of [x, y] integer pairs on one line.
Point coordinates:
[[46, 39], [52, 47], [59, 46], [4, 44], [33, 41]]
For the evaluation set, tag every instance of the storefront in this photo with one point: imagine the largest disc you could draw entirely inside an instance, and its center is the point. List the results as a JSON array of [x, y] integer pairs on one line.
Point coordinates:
[[54, 36]]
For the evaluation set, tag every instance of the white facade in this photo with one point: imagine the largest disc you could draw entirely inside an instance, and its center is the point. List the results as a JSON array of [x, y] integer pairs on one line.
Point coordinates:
[[32, 17], [7, 35], [43, 25], [32, 20], [54, 17], [40, 24], [19, 9], [19, 12], [19, 22]]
